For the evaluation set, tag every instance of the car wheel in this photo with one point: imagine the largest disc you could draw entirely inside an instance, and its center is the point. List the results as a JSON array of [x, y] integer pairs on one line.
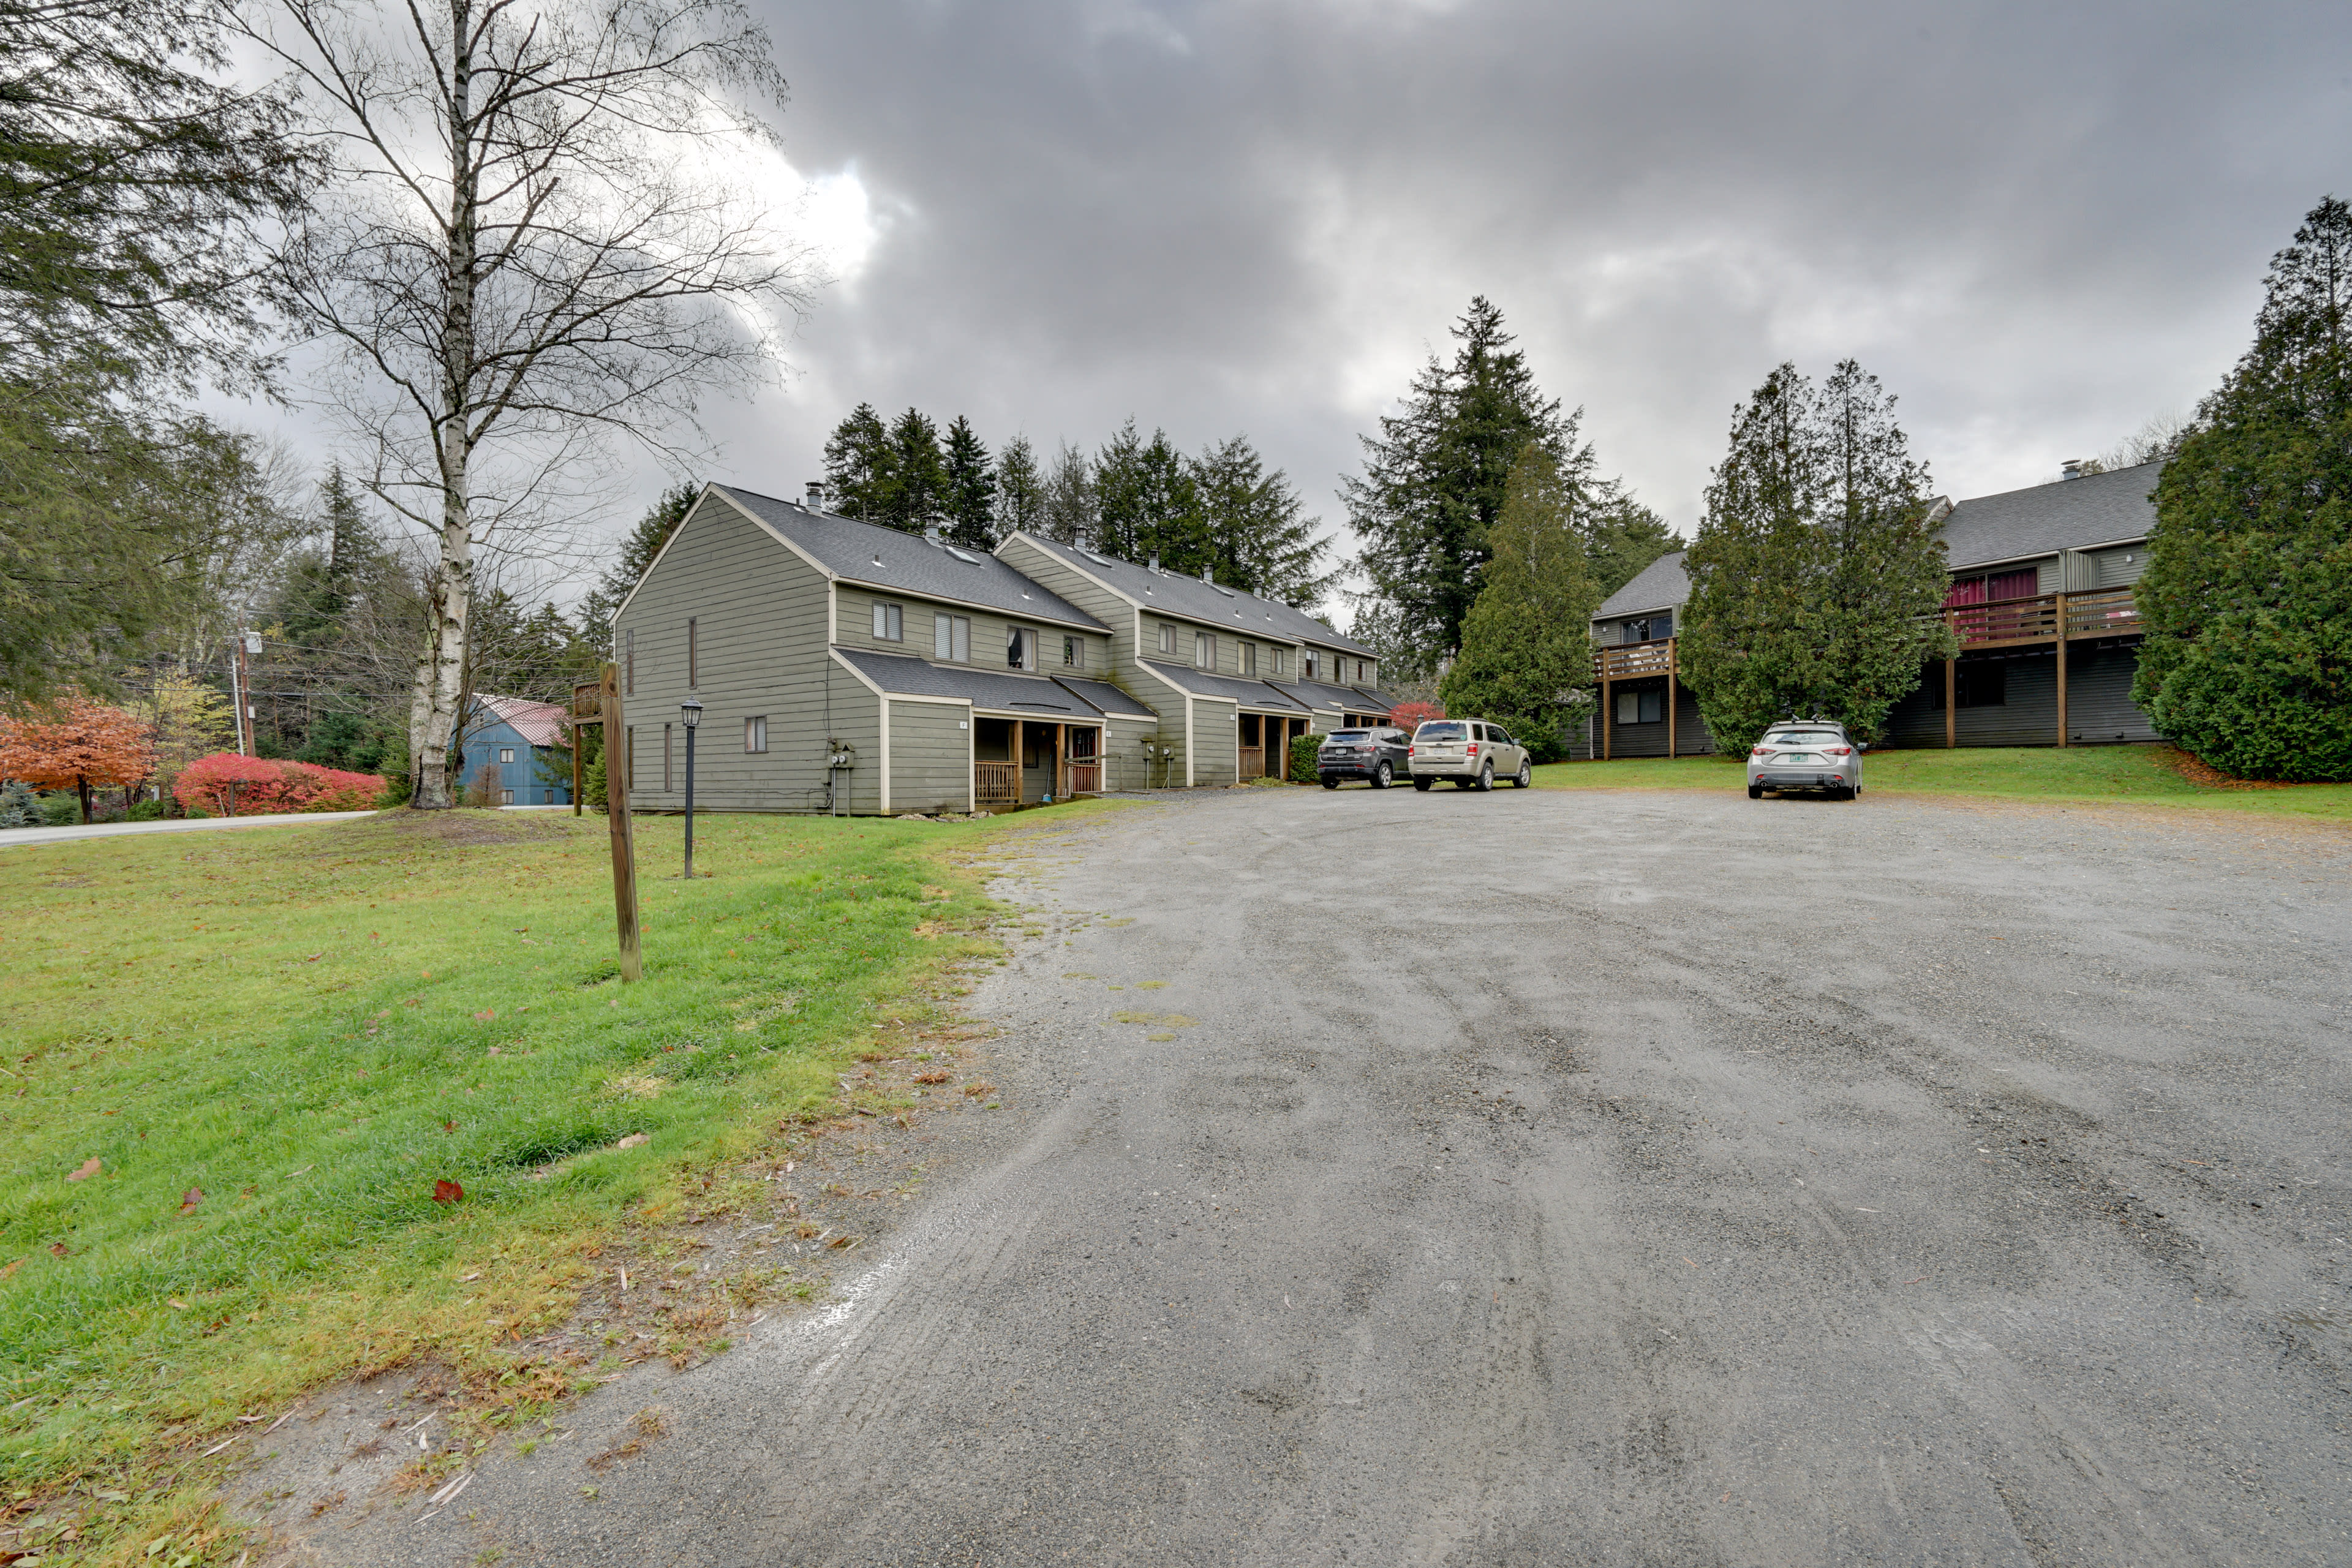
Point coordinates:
[[1329, 783], [1527, 774], [1850, 795], [1487, 778], [1381, 776], [1756, 792], [1422, 784]]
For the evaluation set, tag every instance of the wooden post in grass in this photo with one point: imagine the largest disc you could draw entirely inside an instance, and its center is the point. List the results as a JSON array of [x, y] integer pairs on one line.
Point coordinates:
[[616, 807]]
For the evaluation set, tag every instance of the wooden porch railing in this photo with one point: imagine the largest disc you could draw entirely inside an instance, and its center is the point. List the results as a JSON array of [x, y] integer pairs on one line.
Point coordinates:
[[1632, 659], [2103, 612], [1086, 778], [997, 783], [1252, 761], [2098, 613]]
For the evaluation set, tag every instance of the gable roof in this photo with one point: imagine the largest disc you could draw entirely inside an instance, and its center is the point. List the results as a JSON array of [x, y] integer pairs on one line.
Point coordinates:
[[873, 556], [539, 723], [2042, 519], [2113, 508], [1321, 695], [1211, 604]]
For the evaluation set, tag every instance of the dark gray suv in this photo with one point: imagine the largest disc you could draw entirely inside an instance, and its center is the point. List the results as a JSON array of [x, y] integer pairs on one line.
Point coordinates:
[[1375, 755]]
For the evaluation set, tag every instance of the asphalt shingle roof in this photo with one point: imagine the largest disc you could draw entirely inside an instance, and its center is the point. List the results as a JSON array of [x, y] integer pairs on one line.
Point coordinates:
[[1248, 693], [909, 563], [1107, 697], [1316, 694], [2015, 525], [2098, 508], [1000, 689], [1213, 604]]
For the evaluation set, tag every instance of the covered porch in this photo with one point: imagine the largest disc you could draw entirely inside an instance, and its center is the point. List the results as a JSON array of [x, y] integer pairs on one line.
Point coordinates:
[[1265, 742], [1019, 760]]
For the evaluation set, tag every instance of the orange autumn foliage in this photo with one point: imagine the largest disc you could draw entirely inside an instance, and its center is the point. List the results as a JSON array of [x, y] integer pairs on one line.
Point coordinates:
[[78, 745]]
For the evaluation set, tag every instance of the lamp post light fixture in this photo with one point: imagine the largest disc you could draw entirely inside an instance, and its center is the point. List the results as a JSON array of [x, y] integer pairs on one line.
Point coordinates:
[[691, 711]]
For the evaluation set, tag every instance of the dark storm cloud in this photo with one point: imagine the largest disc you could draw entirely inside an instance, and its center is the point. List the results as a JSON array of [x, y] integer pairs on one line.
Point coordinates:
[[2040, 223]]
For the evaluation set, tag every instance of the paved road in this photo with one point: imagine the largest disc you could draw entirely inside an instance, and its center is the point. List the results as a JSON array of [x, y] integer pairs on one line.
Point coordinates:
[[1572, 1178], [21, 836]]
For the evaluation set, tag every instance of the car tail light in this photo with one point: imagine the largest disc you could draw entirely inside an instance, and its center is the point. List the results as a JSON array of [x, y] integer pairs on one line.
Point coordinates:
[[1761, 751], [1409, 751], [1839, 751], [1471, 750]]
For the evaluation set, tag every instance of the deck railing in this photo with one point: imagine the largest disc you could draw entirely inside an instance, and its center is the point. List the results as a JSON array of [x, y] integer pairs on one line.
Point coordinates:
[[1632, 659], [1086, 778], [1252, 761], [997, 783], [2103, 612], [2100, 612]]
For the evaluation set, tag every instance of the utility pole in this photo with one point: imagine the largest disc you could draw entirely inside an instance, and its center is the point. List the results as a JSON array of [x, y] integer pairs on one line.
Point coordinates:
[[238, 686]]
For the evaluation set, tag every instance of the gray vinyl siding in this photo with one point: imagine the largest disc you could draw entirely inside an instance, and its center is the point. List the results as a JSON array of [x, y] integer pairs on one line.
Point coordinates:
[[1125, 765], [2099, 709], [858, 723], [1216, 740], [2119, 567], [930, 756], [1691, 738], [760, 612], [989, 633]]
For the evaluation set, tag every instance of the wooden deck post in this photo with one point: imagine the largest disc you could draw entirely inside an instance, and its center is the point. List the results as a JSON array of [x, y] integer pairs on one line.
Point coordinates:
[[1951, 704], [616, 809], [1608, 720], [1669, 698], [2062, 668], [576, 768], [1020, 769]]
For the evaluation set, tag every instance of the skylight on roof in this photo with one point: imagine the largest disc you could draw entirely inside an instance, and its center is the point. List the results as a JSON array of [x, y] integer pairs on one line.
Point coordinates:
[[965, 555]]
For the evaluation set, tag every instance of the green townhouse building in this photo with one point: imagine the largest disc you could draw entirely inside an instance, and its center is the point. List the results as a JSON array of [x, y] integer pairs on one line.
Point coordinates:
[[844, 667]]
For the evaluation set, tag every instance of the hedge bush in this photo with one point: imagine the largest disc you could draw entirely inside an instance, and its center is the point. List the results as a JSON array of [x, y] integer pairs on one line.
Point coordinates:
[[1304, 750]]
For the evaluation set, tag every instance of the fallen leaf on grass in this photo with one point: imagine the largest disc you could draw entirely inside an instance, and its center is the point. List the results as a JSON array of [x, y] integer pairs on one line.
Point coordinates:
[[89, 1167], [176, 1304], [979, 1087], [486, 1015], [314, 958], [470, 1278], [448, 1126], [446, 1191], [190, 1199], [12, 1268], [56, 1250], [932, 1076], [632, 1140]]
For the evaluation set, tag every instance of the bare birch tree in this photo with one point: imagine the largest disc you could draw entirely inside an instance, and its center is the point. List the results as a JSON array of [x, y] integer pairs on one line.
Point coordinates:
[[539, 250]]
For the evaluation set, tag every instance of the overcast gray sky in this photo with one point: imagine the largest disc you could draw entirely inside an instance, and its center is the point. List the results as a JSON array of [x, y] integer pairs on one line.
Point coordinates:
[[2040, 223]]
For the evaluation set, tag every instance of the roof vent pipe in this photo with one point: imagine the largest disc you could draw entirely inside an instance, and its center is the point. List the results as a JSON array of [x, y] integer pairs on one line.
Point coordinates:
[[2071, 467], [1208, 574], [1155, 560], [816, 495], [931, 530]]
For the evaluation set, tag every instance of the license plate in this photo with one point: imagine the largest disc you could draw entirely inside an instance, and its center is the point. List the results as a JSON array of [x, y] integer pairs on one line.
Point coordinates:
[[1798, 757]]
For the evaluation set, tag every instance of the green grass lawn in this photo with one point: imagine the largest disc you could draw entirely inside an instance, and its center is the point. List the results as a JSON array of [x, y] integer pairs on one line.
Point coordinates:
[[2117, 775], [238, 1063]]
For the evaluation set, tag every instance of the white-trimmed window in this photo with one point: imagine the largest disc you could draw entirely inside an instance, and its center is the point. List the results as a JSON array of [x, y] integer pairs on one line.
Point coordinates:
[[952, 638], [1020, 648], [506, 798], [889, 622], [1074, 653], [1167, 640], [1282, 661], [1205, 650], [506, 754], [1248, 652], [755, 733], [1314, 665]]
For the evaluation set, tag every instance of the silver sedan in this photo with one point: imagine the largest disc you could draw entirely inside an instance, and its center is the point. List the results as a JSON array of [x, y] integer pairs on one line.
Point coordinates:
[[1807, 755]]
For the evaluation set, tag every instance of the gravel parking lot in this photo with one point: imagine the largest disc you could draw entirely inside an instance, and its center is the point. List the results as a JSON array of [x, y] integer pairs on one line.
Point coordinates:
[[1586, 1178]]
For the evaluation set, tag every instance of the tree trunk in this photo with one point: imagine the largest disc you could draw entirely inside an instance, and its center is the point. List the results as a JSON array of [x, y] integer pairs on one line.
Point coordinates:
[[81, 788], [443, 678]]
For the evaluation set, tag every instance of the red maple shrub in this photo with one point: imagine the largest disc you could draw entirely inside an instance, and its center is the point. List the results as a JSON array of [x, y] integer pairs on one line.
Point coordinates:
[[1410, 716], [226, 784]]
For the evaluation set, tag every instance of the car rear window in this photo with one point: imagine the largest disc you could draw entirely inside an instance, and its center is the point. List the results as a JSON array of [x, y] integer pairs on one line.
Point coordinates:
[[1441, 729], [1804, 738], [1350, 735]]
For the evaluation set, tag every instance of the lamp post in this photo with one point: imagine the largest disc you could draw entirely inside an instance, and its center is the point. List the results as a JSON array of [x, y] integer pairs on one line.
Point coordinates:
[[691, 711]]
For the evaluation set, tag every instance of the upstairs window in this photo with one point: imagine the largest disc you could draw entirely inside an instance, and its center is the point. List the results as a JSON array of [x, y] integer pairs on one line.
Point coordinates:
[[1282, 661], [1074, 653], [952, 638], [1205, 650], [889, 622], [1314, 665], [755, 733], [506, 754], [1167, 640], [1020, 648], [1248, 653]]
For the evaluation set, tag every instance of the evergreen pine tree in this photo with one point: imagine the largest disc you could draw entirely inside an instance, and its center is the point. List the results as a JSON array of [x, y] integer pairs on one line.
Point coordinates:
[[1118, 492], [1258, 540], [1816, 574], [1169, 522], [1436, 477], [2248, 595], [968, 489], [857, 464], [1071, 509], [913, 492], [1526, 660], [1020, 490]]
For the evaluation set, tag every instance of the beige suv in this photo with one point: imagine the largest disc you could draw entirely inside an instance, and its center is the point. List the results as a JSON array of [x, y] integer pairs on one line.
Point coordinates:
[[1470, 752]]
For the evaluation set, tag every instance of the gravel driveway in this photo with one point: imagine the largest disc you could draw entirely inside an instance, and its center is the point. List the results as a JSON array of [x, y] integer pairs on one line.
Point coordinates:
[[1586, 1178]]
